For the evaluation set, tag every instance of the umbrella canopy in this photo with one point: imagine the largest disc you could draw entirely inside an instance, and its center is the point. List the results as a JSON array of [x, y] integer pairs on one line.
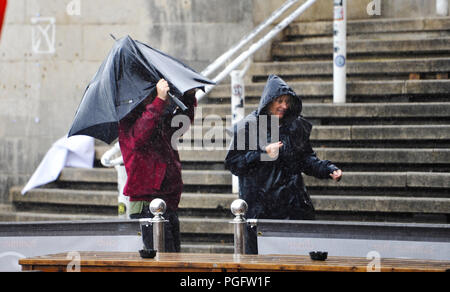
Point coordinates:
[[127, 77]]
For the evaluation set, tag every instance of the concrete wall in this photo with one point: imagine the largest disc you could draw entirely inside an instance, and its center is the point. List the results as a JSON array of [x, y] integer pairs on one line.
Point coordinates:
[[39, 93]]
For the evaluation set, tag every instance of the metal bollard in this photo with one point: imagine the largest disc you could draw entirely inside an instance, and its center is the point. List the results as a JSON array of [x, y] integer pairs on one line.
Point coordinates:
[[239, 208], [158, 208]]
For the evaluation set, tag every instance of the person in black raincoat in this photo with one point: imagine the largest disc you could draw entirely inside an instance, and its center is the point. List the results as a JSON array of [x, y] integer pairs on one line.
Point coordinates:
[[269, 151]]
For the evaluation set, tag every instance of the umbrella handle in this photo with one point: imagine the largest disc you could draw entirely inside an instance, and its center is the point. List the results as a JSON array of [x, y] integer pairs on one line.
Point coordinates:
[[178, 102]]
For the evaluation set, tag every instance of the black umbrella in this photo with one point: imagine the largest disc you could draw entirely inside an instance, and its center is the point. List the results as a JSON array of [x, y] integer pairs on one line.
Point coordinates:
[[127, 77]]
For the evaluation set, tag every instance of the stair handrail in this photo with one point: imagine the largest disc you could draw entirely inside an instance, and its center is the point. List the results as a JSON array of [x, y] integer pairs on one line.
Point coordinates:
[[253, 48], [246, 39]]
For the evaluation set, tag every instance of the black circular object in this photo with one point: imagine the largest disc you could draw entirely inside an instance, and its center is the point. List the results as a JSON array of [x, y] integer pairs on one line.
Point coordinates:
[[318, 255], [147, 253]]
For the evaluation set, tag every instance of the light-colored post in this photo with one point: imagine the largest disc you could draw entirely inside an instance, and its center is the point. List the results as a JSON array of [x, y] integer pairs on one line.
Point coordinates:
[[124, 201], [107, 160], [340, 51], [237, 106], [239, 208], [442, 7]]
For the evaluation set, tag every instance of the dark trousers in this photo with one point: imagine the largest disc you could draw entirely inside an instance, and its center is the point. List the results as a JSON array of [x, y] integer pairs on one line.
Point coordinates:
[[171, 230]]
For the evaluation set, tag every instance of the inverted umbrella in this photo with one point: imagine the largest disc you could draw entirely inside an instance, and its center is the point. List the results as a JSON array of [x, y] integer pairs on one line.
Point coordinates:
[[127, 77]]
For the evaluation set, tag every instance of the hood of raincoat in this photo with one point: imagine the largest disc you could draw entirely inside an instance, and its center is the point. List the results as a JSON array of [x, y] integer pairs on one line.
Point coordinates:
[[274, 88]]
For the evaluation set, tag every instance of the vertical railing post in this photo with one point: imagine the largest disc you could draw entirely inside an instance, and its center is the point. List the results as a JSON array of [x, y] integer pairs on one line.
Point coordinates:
[[239, 208], [237, 105], [124, 201], [340, 51], [107, 160]]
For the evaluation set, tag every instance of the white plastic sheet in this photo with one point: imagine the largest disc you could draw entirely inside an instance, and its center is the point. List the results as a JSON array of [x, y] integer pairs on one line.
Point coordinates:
[[76, 151]]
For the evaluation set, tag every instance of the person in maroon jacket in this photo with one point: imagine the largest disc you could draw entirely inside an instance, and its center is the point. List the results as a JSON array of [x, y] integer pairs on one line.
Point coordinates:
[[153, 166]]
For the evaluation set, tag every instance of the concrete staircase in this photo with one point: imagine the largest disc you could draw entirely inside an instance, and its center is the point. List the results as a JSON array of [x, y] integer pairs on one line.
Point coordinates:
[[392, 138]]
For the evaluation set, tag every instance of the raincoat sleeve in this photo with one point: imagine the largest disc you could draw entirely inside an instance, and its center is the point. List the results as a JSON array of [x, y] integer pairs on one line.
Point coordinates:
[[242, 162], [313, 166], [299, 149], [143, 128]]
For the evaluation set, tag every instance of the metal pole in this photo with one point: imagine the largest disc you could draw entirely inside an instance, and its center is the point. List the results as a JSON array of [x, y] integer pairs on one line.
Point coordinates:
[[256, 46], [158, 208], [239, 208], [237, 110], [340, 51], [158, 235], [224, 57], [442, 7]]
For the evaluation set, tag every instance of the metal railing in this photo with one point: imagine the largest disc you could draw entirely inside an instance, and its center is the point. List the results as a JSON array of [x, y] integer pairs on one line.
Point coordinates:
[[255, 47], [246, 39]]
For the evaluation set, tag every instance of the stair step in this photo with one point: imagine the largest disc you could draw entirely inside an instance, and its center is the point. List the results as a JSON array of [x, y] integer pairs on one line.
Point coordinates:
[[351, 179], [101, 175], [370, 26], [365, 180], [292, 50], [372, 133], [391, 111], [354, 68], [25, 216], [93, 175], [205, 225], [381, 204], [207, 248], [109, 198], [206, 201], [385, 180], [378, 204], [321, 203], [369, 89], [352, 155], [65, 196]]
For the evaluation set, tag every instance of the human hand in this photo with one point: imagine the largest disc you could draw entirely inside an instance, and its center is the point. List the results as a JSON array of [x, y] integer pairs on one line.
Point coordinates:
[[162, 88], [274, 149], [336, 175]]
